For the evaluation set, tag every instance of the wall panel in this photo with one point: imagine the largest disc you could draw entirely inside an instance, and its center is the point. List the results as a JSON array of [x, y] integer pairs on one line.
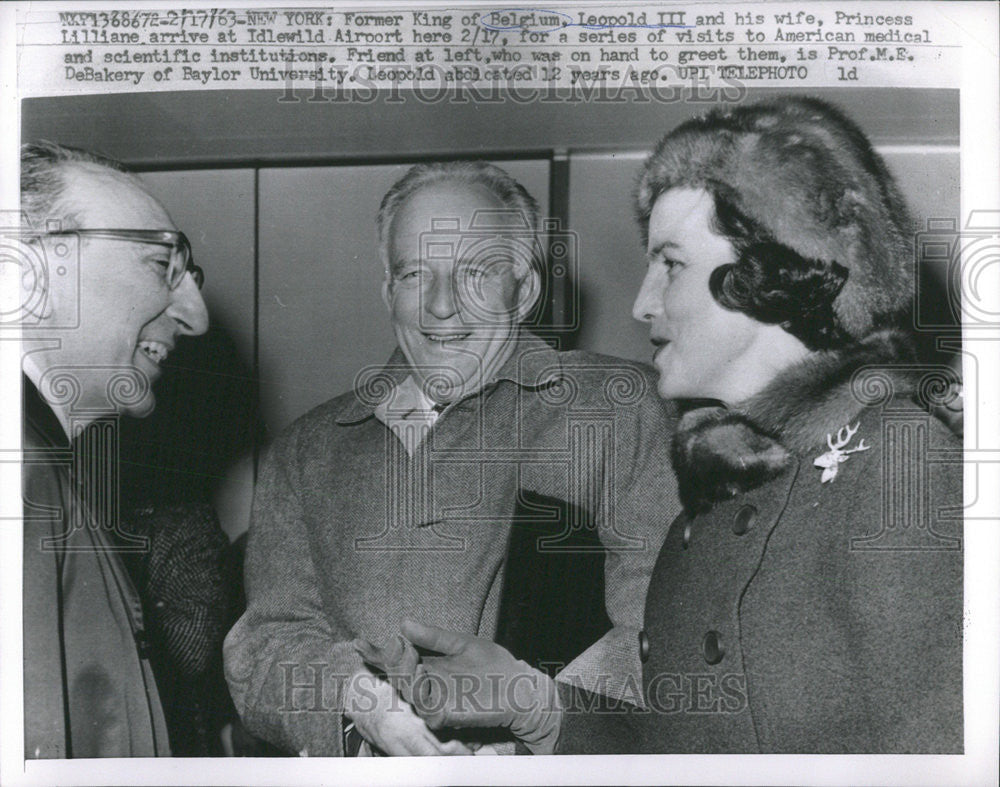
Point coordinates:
[[200, 439], [206, 128], [611, 259], [215, 209], [929, 177]]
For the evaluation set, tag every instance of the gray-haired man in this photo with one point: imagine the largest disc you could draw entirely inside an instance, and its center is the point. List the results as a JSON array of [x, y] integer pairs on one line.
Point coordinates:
[[399, 498]]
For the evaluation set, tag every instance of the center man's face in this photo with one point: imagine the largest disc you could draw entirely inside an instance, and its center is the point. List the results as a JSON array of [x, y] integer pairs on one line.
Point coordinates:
[[455, 297]]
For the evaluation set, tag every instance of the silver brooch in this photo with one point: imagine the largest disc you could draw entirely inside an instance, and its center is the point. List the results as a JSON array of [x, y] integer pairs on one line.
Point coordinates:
[[831, 460]]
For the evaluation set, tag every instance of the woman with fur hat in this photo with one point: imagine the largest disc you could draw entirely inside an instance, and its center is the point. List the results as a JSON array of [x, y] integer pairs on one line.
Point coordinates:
[[809, 598]]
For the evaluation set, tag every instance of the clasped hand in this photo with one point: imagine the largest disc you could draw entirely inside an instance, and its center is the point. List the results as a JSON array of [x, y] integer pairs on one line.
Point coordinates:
[[389, 724], [472, 683]]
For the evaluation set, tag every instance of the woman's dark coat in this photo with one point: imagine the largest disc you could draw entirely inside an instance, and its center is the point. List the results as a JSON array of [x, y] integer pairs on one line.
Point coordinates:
[[789, 614]]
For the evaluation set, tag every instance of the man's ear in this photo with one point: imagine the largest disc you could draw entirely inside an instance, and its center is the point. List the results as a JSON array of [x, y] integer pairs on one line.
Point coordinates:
[[36, 290], [385, 292], [528, 291]]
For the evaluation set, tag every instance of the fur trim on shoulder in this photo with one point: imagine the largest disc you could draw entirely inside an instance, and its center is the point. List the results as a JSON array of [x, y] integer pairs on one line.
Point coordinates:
[[718, 453], [804, 402]]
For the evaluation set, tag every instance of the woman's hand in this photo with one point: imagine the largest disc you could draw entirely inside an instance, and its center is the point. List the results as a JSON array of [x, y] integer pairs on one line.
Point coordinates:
[[477, 683]]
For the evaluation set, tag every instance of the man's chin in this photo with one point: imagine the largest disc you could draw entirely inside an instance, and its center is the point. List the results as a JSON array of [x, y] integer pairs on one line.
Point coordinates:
[[96, 391], [130, 392], [142, 408]]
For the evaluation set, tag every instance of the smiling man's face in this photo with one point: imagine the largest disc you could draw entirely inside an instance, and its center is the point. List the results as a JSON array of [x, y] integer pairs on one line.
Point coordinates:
[[455, 314], [129, 319]]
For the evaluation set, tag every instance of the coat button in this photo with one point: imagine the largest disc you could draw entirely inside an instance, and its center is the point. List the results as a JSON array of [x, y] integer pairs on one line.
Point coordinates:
[[142, 644], [643, 647], [711, 647], [744, 520], [686, 538]]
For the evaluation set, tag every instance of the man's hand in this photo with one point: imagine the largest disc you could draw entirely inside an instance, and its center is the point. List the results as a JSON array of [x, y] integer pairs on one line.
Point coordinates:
[[397, 659], [477, 683], [388, 723]]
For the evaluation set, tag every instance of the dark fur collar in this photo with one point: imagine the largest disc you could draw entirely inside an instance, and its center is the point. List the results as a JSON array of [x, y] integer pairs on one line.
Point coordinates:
[[719, 453]]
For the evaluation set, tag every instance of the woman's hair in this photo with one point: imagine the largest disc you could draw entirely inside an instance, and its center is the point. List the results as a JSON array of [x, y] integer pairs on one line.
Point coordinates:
[[822, 234], [773, 283]]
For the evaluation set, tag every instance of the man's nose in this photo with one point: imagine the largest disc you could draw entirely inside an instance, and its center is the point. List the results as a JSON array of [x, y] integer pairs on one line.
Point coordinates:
[[649, 302], [440, 298], [187, 308]]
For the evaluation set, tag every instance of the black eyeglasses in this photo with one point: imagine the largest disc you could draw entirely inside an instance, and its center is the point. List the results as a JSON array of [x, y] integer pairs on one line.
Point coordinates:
[[180, 261]]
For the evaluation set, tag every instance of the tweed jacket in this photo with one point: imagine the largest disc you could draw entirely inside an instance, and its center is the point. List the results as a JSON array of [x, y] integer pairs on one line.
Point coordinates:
[[89, 690], [350, 534], [788, 613]]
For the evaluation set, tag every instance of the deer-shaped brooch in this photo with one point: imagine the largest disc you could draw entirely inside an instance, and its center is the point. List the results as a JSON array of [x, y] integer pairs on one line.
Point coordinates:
[[831, 460]]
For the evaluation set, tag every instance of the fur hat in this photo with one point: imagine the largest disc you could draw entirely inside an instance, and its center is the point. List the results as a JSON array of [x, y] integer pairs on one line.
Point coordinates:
[[808, 175]]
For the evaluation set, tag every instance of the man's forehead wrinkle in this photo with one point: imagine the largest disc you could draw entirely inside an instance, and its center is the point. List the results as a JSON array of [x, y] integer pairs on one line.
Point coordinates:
[[499, 221], [107, 199], [460, 194], [88, 176]]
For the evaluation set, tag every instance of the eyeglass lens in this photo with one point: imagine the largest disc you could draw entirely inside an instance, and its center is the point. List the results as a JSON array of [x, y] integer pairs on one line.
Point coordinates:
[[180, 263]]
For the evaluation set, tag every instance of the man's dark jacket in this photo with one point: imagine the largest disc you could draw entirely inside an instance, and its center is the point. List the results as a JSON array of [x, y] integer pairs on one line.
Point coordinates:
[[89, 690]]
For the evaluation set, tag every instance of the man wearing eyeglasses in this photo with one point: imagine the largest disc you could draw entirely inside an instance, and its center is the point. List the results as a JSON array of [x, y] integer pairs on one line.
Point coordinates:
[[108, 287]]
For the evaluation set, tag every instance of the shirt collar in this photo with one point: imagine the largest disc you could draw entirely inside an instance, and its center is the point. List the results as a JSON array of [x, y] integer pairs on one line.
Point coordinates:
[[405, 398], [532, 365]]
